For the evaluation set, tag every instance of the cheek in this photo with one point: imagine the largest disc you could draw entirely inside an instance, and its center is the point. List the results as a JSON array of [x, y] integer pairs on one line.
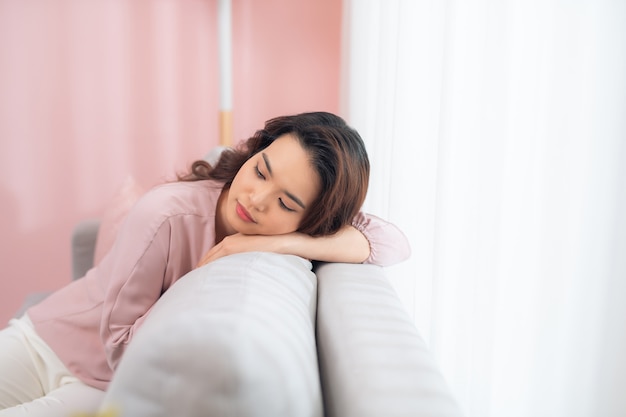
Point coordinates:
[[243, 176], [285, 223], [236, 184]]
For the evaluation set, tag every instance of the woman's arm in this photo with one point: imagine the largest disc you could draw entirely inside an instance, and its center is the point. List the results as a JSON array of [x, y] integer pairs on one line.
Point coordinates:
[[133, 274], [369, 239]]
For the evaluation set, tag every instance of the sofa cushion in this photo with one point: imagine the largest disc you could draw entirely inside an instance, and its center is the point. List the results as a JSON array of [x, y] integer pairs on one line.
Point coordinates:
[[373, 361], [232, 338]]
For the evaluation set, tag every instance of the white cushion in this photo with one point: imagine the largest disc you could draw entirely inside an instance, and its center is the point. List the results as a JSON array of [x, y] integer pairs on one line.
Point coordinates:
[[373, 360], [233, 338]]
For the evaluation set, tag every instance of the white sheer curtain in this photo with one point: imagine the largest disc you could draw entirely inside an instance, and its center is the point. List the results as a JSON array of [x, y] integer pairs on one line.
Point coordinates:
[[497, 134]]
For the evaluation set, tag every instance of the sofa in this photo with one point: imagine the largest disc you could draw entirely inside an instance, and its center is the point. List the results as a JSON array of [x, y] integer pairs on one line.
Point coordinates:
[[262, 334]]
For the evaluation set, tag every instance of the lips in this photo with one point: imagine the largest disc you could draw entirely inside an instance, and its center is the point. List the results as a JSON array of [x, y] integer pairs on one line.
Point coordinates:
[[243, 214]]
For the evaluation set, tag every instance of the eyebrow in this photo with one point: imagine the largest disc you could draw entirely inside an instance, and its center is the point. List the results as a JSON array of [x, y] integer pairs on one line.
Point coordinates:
[[291, 196]]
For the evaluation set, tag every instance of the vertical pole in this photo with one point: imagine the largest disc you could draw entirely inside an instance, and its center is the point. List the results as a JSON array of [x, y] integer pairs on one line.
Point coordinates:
[[226, 77]]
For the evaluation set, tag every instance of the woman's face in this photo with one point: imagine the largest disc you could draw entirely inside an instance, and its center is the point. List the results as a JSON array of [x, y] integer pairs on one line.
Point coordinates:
[[272, 191]]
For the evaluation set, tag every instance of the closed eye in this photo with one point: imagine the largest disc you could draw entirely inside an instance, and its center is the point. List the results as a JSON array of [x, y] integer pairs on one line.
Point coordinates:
[[259, 173], [283, 205]]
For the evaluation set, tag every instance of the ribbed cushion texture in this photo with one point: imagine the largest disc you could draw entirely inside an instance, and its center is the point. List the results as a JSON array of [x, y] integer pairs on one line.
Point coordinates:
[[373, 362], [233, 338]]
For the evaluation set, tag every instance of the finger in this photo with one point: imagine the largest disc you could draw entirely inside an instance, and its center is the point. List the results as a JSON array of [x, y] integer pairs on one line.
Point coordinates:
[[213, 254], [206, 258]]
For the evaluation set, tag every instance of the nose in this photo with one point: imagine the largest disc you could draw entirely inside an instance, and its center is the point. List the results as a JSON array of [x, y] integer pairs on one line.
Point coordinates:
[[259, 197]]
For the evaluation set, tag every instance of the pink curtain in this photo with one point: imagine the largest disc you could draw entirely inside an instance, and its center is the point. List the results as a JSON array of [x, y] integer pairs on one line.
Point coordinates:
[[94, 91]]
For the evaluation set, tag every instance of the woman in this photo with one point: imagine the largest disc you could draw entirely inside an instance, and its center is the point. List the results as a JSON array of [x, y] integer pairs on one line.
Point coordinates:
[[295, 187]]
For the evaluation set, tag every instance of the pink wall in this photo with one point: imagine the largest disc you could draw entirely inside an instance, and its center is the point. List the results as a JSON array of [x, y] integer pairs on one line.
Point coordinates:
[[92, 92]]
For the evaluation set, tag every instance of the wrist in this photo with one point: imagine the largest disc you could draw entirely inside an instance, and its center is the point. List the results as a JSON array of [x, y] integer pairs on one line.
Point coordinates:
[[296, 244]]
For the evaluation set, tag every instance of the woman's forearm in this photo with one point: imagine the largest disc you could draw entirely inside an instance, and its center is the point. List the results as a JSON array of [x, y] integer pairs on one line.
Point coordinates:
[[369, 239], [347, 245]]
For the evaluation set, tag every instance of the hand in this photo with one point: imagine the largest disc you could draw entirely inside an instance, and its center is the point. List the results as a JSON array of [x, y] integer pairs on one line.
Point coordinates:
[[239, 243]]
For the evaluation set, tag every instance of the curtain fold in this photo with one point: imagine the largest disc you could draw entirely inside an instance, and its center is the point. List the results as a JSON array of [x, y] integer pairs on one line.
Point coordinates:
[[498, 143]]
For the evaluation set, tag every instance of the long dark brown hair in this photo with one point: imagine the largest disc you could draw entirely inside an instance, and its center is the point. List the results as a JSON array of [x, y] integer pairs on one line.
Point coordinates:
[[336, 152]]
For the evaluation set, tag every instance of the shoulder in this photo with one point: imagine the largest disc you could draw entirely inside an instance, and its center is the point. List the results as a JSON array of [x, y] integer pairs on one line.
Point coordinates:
[[197, 198]]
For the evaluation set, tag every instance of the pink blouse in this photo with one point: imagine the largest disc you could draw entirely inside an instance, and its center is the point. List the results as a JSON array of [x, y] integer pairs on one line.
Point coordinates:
[[90, 322]]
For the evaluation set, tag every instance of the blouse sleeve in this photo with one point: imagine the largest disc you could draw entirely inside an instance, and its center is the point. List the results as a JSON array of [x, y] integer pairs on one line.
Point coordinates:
[[133, 274], [388, 245]]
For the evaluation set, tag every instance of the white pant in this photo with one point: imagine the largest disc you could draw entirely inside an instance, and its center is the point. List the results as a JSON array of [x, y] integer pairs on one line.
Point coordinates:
[[34, 381]]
